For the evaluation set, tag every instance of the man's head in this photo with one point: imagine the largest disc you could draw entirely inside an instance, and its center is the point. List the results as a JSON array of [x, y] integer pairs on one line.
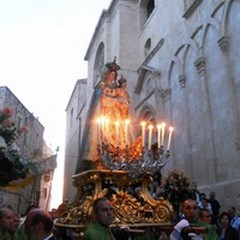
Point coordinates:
[[16, 221], [231, 211], [38, 224], [205, 216], [6, 219], [189, 209], [103, 211], [202, 195], [212, 195], [204, 202]]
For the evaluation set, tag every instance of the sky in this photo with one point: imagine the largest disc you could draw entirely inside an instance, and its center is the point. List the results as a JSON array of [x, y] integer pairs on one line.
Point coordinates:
[[42, 48]]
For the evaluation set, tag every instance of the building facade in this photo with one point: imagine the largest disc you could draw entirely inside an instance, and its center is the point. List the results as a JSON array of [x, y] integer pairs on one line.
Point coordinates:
[[180, 59], [74, 131], [36, 187]]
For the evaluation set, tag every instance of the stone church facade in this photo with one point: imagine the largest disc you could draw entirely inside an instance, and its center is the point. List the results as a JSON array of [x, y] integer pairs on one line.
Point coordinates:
[[180, 59]]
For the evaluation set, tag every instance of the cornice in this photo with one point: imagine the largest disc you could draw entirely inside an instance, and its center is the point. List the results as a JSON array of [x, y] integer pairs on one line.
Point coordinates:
[[190, 6]]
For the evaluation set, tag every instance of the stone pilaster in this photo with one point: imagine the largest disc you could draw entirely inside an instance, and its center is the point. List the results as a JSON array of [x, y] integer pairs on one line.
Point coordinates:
[[165, 93]]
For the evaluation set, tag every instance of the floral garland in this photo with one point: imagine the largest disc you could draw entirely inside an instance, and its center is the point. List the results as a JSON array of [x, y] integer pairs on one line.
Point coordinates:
[[11, 166], [175, 187]]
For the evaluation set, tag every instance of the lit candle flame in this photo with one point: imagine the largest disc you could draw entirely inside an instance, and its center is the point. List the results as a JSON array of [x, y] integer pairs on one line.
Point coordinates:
[[150, 127], [170, 137], [99, 122], [163, 132], [117, 123], [143, 125], [127, 121], [159, 126]]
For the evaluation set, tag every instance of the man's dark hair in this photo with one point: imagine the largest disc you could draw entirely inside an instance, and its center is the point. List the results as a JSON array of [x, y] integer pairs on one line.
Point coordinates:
[[43, 218], [185, 198], [201, 212]]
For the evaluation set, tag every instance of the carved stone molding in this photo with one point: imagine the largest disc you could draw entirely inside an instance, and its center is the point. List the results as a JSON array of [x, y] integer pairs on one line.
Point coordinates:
[[190, 6], [165, 93], [200, 65], [182, 80], [223, 43], [157, 75]]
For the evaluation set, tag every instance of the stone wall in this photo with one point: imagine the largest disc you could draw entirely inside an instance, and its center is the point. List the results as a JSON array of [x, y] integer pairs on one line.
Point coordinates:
[[182, 67]]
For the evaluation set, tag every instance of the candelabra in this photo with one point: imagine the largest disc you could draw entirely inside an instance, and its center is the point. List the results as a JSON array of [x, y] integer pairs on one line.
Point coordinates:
[[135, 158], [149, 161]]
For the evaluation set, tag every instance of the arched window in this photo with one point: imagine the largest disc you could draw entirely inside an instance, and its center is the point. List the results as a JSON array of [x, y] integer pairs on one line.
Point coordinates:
[[150, 7], [99, 62], [147, 47], [146, 9]]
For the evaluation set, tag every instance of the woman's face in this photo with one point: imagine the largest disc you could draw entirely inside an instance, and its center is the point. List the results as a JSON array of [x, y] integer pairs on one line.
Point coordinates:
[[111, 76], [224, 221]]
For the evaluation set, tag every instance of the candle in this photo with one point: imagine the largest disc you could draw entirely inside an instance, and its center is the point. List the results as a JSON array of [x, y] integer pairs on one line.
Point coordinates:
[[102, 128], [169, 138], [107, 126], [163, 132], [143, 125], [116, 123], [102, 124], [127, 121], [99, 130], [159, 126], [150, 127]]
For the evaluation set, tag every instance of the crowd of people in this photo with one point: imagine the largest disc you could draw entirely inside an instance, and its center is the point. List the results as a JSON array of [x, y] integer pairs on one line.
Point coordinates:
[[199, 217], [37, 224]]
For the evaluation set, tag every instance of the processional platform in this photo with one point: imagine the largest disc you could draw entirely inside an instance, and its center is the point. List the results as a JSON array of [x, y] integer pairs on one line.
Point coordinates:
[[134, 206]]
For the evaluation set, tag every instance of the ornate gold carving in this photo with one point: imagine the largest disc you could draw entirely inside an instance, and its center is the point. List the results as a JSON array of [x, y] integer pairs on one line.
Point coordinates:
[[131, 199]]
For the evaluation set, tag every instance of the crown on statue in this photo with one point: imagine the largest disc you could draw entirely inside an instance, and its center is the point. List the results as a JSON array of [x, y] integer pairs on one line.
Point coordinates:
[[113, 66]]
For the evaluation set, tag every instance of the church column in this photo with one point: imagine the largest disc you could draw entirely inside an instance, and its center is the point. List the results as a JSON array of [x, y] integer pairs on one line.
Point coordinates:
[[209, 144], [182, 81], [223, 43]]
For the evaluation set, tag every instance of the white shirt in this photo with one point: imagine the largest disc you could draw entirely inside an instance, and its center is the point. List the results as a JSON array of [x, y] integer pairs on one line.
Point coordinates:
[[48, 237]]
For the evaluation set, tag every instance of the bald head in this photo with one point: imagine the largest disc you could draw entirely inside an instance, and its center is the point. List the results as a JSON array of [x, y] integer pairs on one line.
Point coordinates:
[[6, 219]]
